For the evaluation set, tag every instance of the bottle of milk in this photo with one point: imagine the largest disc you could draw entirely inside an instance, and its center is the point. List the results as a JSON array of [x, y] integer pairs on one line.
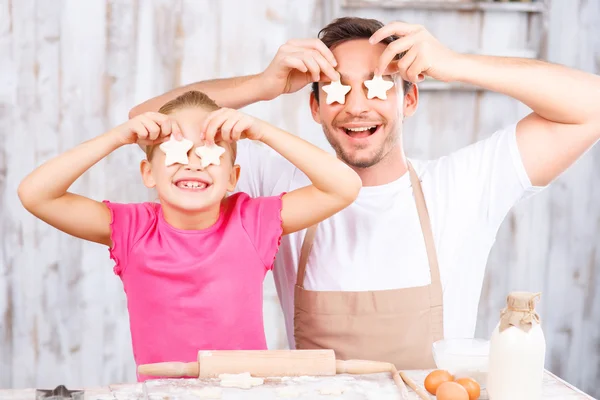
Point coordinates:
[[517, 351]]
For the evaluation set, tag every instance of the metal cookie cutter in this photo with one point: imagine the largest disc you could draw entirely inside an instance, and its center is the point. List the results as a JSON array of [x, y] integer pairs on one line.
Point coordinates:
[[59, 393]]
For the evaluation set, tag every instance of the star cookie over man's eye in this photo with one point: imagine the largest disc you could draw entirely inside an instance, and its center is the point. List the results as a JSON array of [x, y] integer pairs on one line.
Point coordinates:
[[336, 92], [210, 154], [378, 87], [176, 150]]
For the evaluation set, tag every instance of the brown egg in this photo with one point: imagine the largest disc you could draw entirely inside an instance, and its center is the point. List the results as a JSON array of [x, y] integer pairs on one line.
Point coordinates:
[[451, 391], [435, 379], [471, 386]]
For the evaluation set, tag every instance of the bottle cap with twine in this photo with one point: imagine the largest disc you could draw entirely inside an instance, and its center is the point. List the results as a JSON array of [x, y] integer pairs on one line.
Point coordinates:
[[520, 311]]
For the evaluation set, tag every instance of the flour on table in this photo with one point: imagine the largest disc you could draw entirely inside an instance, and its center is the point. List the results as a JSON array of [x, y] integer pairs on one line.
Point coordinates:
[[288, 392], [241, 381], [208, 393], [305, 378], [333, 390]]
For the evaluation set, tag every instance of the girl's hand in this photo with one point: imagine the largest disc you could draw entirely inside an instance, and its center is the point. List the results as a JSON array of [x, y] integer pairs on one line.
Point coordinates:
[[148, 129], [232, 125]]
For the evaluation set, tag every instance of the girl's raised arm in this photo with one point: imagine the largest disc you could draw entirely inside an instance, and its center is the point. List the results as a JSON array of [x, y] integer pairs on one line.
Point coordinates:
[[44, 192], [334, 184]]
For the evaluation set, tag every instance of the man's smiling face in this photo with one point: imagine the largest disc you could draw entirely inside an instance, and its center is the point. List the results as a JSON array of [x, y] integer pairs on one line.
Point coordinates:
[[361, 131]]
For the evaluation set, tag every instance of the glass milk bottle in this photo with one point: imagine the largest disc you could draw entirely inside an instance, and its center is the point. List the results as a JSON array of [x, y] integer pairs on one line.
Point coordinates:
[[517, 351]]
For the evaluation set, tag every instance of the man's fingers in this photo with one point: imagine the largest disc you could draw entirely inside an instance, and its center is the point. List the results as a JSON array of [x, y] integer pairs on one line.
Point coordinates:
[[318, 45], [405, 62], [326, 68], [313, 67], [295, 62], [393, 49], [414, 72], [393, 29]]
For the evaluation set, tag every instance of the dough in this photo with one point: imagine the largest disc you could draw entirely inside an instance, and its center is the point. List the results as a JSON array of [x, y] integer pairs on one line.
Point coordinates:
[[176, 150], [378, 87], [336, 92], [333, 390], [288, 392], [208, 393], [241, 381], [210, 154]]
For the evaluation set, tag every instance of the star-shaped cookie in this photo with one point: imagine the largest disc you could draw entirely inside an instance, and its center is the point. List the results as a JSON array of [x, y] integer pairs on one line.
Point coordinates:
[[176, 150], [378, 87], [336, 92], [210, 154]]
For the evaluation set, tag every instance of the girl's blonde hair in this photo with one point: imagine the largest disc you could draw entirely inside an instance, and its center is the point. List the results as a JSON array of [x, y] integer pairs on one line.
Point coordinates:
[[190, 99]]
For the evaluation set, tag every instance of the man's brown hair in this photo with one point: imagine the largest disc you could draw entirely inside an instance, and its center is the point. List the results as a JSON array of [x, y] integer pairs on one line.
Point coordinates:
[[343, 29], [191, 99]]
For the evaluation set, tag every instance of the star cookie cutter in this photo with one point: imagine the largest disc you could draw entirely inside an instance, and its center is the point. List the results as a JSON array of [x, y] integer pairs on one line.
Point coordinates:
[[59, 393]]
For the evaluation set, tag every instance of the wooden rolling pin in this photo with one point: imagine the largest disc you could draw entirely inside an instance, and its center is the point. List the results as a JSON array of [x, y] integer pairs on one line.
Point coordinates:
[[262, 363], [271, 363]]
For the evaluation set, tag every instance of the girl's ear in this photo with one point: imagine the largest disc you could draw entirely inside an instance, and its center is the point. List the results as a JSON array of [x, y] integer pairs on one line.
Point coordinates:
[[233, 178], [146, 170]]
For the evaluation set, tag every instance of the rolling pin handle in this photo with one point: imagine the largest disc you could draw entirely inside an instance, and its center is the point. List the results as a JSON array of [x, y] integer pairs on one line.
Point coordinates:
[[170, 369]]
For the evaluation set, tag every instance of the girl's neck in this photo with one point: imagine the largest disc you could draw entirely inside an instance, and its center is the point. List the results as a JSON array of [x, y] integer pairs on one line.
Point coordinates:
[[191, 220]]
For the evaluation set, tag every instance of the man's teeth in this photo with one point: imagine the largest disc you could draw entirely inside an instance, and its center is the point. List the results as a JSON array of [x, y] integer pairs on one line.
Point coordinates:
[[191, 184], [361, 129]]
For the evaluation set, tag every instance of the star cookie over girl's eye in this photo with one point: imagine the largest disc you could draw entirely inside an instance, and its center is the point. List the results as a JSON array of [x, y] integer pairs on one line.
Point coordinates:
[[336, 92], [378, 87], [176, 150], [209, 154]]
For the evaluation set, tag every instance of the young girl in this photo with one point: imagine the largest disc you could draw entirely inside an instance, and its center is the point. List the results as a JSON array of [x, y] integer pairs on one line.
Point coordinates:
[[192, 265]]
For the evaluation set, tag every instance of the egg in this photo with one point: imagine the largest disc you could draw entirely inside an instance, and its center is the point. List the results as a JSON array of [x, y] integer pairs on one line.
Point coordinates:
[[435, 379], [471, 386], [451, 391]]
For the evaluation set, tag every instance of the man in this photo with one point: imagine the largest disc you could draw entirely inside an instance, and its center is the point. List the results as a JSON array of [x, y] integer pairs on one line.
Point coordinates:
[[404, 265]]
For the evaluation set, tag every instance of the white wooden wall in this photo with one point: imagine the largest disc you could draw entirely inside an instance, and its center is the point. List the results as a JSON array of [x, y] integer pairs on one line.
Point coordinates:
[[70, 69]]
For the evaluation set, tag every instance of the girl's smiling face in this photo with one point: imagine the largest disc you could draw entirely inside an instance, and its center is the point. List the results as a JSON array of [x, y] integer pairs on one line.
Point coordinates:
[[191, 187]]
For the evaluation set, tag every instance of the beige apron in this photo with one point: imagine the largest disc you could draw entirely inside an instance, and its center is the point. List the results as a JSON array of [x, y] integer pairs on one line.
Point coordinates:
[[397, 326]]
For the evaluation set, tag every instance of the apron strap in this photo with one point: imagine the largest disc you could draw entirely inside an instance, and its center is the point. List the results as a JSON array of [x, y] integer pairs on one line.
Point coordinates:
[[436, 283], [425, 222], [307, 244]]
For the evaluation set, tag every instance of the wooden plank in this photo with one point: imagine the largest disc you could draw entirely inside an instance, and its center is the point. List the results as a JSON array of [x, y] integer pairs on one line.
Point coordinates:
[[113, 361], [157, 51], [63, 319], [7, 112], [19, 232], [456, 5]]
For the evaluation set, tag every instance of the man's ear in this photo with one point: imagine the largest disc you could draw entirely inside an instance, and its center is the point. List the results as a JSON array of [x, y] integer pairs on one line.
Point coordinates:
[[146, 170], [234, 176], [411, 101], [314, 107]]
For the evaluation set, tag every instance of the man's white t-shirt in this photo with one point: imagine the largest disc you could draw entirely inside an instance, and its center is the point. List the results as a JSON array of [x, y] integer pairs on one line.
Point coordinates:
[[376, 243]]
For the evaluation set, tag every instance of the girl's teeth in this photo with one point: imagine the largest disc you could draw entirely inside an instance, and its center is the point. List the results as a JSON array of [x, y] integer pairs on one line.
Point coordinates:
[[192, 185]]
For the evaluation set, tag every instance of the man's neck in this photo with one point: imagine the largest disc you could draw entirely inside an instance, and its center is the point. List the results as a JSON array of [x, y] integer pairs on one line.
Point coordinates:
[[390, 168]]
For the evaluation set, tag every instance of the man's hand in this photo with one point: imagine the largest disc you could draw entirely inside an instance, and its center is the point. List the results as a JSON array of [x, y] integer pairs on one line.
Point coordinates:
[[296, 64], [425, 55]]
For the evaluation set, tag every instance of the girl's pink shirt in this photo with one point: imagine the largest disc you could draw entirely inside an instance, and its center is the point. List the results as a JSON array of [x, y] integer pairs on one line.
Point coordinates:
[[195, 290]]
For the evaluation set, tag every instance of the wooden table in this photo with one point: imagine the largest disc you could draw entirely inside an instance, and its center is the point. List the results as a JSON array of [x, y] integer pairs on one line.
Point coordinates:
[[554, 388]]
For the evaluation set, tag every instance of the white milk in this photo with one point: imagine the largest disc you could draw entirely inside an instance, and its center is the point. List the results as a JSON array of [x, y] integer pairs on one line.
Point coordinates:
[[517, 352]]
